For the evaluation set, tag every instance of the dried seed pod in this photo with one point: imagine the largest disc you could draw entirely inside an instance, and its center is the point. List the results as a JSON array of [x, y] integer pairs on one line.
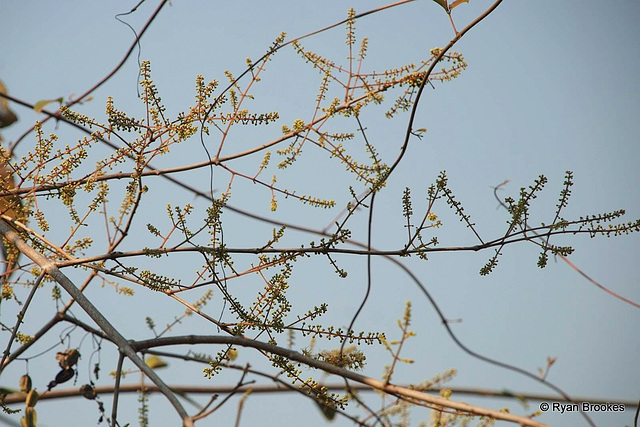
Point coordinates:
[[32, 399], [64, 376], [30, 418], [68, 358], [25, 383], [88, 392]]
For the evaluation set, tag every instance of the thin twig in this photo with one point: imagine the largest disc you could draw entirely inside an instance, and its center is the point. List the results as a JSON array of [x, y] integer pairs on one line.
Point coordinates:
[[14, 331], [116, 390]]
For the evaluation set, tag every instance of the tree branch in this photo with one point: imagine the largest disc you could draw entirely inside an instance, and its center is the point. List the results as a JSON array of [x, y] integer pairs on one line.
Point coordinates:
[[374, 383], [50, 268]]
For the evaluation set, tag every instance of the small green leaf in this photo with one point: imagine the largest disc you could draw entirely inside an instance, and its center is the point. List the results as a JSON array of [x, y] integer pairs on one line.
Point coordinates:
[[154, 362], [329, 412], [444, 4], [5, 391], [457, 3], [39, 106], [419, 132]]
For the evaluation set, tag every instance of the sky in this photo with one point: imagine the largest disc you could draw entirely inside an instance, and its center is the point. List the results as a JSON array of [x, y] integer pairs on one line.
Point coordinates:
[[550, 87]]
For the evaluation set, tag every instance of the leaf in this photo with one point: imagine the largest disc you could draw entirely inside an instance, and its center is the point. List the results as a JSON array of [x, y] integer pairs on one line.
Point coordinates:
[[7, 116], [154, 362], [329, 412], [39, 106], [81, 101], [444, 4], [419, 132], [6, 391], [457, 3]]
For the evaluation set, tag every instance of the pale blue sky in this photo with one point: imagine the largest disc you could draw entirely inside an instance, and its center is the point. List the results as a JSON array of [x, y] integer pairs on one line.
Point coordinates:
[[550, 86]]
